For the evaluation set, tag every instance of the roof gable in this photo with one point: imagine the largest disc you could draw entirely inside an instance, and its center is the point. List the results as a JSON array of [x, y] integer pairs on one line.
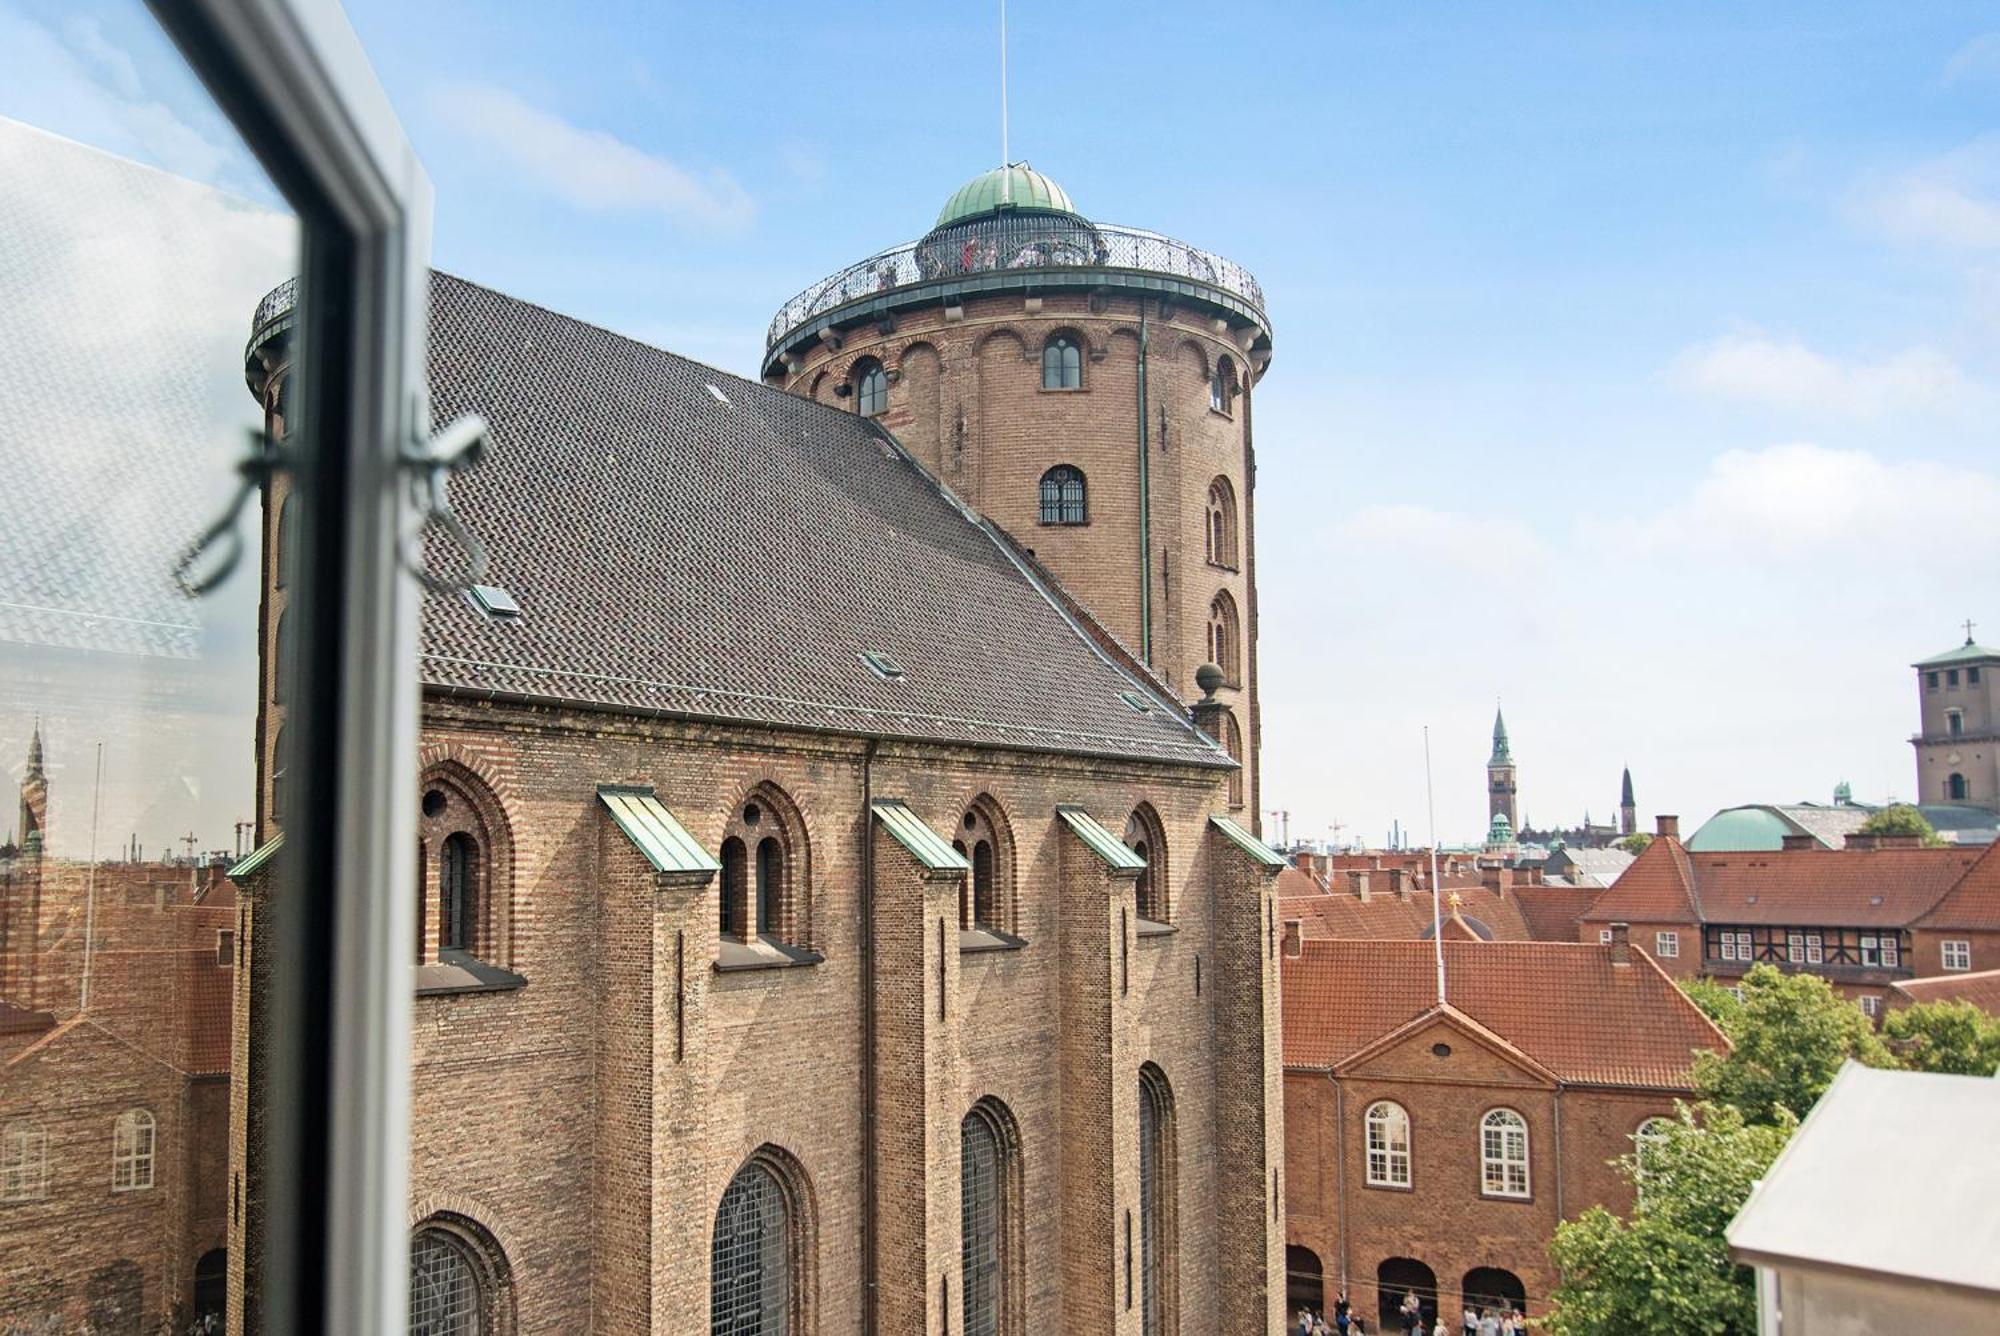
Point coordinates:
[[684, 542], [1973, 902], [1657, 888], [1478, 1055]]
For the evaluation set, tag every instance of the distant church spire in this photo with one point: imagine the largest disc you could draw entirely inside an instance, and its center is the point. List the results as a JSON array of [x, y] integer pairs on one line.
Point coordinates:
[[1501, 755], [1500, 787], [34, 796], [1628, 810]]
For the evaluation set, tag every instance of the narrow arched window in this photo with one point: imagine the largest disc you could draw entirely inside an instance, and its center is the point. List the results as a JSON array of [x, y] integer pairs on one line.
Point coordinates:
[[1232, 742], [446, 1297], [735, 886], [1157, 1184], [1222, 384], [283, 540], [1954, 787], [1062, 364], [1503, 1154], [770, 883], [871, 388], [750, 1272], [982, 885], [987, 1173], [1388, 1145], [1646, 1144], [1145, 837], [1225, 638], [280, 763], [1222, 523], [24, 1162], [986, 842], [458, 893], [132, 1151], [1063, 496]]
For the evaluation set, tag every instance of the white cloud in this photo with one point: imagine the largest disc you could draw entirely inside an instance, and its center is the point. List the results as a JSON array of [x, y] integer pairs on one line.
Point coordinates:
[[1787, 374], [591, 169], [1472, 543], [1952, 200], [1977, 59], [1807, 501]]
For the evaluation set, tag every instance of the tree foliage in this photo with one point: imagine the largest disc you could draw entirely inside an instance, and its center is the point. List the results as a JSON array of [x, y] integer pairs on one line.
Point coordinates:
[[1716, 1001], [1947, 1036], [1790, 1036], [1635, 843], [1901, 819], [1665, 1271]]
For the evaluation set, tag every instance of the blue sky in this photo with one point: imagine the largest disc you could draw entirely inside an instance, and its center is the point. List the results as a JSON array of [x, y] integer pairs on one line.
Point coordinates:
[[1635, 363]]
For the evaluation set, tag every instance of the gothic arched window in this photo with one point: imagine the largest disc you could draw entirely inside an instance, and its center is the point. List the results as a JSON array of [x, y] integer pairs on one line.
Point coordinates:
[[766, 870], [988, 1174], [752, 1284], [1145, 837], [1063, 496], [459, 1283], [1222, 523], [464, 868], [871, 388], [1225, 638], [1062, 364], [1157, 1197], [458, 892], [1954, 787], [1232, 742], [987, 843]]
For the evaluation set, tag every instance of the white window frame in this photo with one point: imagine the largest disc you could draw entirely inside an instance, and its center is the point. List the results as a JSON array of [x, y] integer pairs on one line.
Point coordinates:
[[1892, 952], [1815, 949], [1955, 954], [1746, 949], [1604, 936], [1667, 945], [1795, 948], [1651, 1131], [24, 1162], [134, 1139], [1393, 1160], [295, 81], [1500, 1167], [1871, 1005], [1871, 951]]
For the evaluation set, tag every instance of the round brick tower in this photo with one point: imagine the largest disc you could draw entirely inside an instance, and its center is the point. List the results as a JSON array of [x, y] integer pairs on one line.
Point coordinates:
[[1087, 388]]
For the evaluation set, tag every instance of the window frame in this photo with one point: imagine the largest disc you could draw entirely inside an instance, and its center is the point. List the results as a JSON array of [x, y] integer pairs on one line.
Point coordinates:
[[1955, 954], [135, 1143], [1061, 505], [1068, 349], [1390, 1156], [292, 78], [865, 371], [1504, 1161], [1871, 1005], [16, 1185], [1666, 944]]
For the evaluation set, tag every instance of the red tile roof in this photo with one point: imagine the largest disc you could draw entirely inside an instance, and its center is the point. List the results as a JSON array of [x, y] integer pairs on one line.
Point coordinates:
[[1863, 888], [1565, 1005], [1981, 989], [1387, 916], [1974, 903], [1551, 912]]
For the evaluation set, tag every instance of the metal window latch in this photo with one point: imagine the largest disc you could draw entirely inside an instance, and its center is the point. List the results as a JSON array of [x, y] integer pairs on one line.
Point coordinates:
[[219, 547], [429, 462]]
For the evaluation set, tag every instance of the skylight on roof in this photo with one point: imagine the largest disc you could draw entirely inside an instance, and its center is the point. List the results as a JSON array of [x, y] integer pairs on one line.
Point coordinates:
[[1136, 701], [716, 390], [882, 665], [495, 602]]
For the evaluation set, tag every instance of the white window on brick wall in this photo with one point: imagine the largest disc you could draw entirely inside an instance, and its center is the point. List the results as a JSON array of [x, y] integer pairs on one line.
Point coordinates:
[[1871, 949], [24, 1162], [1871, 1005], [132, 1151], [1795, 947], [1815, 949], [1892, 952], [1957, 954], [1604, 936], [1666, 945], [1388, 1145], [1503, 1154]]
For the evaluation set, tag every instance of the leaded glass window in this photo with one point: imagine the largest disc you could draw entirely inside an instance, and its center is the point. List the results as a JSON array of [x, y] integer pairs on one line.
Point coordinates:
[[458, 873], [1062, 364], [1063, 496], [982, 1203], [1503, 1154], [1388, 1146], [871, 390], [750, 1281], [444, 1286]]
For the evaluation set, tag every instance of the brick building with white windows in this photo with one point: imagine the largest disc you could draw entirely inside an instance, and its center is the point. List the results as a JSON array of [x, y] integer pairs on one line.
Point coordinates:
[[830, 920], [1879, 911], [1432, 1148]]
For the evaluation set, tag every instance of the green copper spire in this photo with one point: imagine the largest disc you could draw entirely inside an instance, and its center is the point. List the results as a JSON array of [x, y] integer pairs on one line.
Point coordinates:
[[1501, 754]]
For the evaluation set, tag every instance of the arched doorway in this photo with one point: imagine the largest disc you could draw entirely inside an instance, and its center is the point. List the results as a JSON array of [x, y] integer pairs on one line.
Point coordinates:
[[1305, 1282], [1400, 1276], [1494, 1287], [211, 1289]]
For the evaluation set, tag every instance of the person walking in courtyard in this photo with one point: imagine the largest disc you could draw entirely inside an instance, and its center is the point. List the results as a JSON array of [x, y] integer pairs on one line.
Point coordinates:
[[1469, 1322], [1413, 1313], [1489, 1323]]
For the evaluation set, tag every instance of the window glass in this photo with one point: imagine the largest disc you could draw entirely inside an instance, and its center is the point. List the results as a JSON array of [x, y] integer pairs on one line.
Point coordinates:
[[1388, 1146], [1063, 497], [137, 238]]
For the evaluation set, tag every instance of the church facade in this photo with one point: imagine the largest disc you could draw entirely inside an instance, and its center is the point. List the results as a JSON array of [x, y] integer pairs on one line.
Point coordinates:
[[832, 919]]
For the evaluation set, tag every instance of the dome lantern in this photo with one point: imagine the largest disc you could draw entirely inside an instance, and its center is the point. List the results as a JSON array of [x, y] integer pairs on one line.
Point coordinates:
[[1015, 186]]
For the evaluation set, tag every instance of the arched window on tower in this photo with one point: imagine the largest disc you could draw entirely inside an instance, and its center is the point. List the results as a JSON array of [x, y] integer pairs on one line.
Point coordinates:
[[1145, 837], [1062, 363], [1222, 524], [1954, 787], [871, 388], [1063, 496], [1232, 742], [1225, 638], [1222, 384]]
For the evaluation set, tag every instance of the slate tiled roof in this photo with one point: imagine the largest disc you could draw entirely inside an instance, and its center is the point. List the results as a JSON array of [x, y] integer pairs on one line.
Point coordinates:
[[1981, 989], [1974, 903], [729, 553], [1861, 888], [1565, 1005]]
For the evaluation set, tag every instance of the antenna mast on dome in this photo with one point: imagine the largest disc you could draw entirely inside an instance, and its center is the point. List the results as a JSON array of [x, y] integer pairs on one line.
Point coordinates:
[[1006, 177]]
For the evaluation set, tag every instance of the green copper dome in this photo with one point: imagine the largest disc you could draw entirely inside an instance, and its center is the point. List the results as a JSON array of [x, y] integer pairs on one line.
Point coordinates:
[[1016, 185]]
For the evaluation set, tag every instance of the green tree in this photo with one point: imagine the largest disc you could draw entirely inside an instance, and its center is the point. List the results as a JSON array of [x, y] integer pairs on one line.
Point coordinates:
[[1790, 1036], [1665, 1270], [1716, 1001], [1634, 843], [1901, 819], [1948, 1036]]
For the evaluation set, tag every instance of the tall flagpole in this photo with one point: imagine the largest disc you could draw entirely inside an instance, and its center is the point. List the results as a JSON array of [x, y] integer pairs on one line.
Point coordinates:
[[1006, 179], [1437, 915]]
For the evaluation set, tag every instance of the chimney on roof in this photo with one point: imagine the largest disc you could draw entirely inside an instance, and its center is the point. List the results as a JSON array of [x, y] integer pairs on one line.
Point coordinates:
[[1303, 860], [1358, 883], [1797, 843], [1856, 840], [1621, 944], [1667, 827], [1399, 883], [1294, 930], [1496, 879], [1534, 874], [1899, 841]]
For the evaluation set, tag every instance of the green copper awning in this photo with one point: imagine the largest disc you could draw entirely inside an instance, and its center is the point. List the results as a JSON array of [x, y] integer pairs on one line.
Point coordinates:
[[1247, 842], [928, 847], [1101, 841], [664, 841], [258, 861]]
